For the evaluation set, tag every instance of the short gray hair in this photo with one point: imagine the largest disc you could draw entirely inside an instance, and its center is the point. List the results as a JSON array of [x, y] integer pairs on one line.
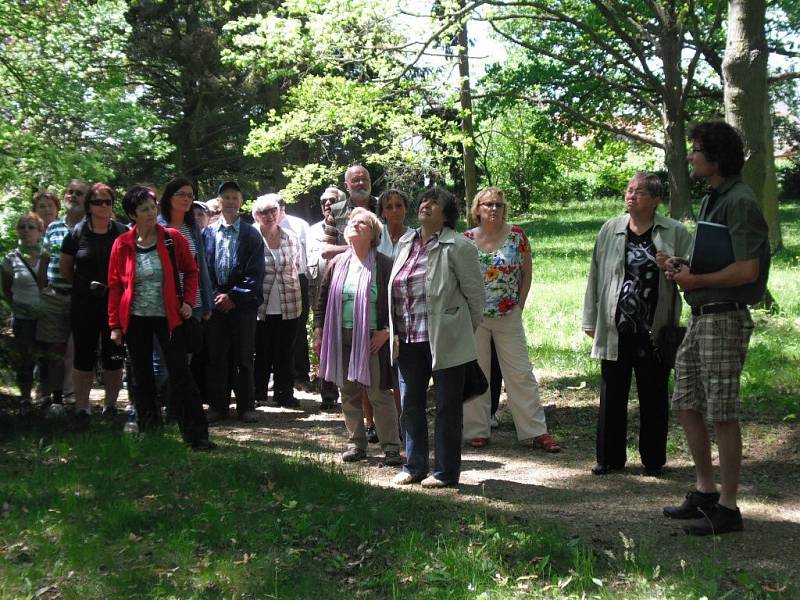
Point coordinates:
[[339, 193], [369, 217], [266, 201]]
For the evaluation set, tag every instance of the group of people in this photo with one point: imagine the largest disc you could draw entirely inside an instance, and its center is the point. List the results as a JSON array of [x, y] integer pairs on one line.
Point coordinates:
[[394, 307]]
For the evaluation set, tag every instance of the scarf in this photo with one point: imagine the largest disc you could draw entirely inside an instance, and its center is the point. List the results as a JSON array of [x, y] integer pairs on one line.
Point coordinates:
[[330, 359]]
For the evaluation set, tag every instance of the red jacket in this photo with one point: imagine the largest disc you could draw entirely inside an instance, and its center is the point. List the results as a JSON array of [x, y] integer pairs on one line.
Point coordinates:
[[122, 274]]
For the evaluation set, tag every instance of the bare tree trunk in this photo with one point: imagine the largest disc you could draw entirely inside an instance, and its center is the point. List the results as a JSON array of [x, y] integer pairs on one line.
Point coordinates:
[[470, 171], [674, 122], [747, 103]]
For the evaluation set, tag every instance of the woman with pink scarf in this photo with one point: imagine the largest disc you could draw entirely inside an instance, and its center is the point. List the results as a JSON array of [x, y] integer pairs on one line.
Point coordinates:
[[351, 331]]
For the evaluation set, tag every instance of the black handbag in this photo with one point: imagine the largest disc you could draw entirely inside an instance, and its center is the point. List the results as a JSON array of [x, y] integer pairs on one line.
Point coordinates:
[[669, 337], [190, 330], [475, 382]]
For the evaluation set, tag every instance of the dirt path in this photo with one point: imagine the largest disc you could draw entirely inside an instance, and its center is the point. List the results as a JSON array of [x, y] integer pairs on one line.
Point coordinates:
[[543, 488]]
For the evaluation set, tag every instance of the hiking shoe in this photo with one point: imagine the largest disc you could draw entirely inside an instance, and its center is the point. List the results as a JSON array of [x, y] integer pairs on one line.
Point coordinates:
[[719, 519], [354, 455], [690, 508], [392, 458], [372, 435]]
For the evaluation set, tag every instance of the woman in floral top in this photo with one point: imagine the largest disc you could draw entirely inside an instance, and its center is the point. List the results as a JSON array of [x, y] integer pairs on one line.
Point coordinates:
[[505, 261]]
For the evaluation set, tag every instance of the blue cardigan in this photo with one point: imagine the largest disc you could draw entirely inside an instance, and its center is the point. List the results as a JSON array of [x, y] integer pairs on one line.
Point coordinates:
[[244, 285]]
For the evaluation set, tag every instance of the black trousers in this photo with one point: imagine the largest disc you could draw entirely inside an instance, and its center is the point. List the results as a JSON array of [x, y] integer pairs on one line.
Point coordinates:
[[302, 364], [274, 354], [635, 355], [185, 397]]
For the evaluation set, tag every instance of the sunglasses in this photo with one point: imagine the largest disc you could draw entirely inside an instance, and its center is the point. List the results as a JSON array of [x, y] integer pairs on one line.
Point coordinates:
[[75, 192], [24, 226], [108, 202]]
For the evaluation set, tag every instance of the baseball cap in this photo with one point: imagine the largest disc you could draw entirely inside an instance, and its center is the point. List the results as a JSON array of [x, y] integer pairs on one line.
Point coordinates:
[[228, 185]]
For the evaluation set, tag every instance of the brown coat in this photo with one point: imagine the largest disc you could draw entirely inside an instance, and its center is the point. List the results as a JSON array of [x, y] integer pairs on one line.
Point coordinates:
[[383, 268]]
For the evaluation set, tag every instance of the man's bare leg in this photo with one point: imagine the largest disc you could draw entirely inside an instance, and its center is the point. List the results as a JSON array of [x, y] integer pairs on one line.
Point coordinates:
[[729, 442], [694, 426]]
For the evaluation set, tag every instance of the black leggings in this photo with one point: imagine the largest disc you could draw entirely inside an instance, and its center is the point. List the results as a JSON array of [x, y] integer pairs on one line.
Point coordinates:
[[185, 396]]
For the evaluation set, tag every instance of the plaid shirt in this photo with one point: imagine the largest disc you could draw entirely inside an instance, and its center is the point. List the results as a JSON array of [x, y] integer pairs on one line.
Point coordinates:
[[283, 268], [408, 292], [227, 241], [53, 238]]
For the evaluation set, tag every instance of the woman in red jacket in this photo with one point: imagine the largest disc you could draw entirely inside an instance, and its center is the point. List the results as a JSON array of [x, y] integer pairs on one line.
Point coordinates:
[[143, 302]]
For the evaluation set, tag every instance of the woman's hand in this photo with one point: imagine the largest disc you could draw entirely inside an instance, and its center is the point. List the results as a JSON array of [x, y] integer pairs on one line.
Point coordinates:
[[317, 343], [116, 336], [185, 311], [379, 338]]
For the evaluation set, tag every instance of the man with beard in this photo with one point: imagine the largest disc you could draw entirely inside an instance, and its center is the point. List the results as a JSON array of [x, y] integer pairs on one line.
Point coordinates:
[[358, 184], [53, 327]]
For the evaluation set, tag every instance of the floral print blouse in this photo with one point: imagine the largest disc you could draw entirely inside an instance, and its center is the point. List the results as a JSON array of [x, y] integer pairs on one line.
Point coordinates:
[[502, 271]]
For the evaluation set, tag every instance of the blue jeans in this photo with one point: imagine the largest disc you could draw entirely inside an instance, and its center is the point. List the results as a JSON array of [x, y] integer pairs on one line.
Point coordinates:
[[415, 373]]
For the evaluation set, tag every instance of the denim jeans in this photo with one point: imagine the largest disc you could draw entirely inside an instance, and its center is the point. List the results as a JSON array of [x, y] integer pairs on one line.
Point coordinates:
[[415, 373]]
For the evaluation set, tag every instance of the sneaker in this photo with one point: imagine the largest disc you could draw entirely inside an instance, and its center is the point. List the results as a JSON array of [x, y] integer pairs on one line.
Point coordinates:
[[249, 416], [719, 519], [433, 482], [405, 478], [391, 458], [694, 501], [55, 411], [599, 469], [372, 435], [354, 455], [109, 412]]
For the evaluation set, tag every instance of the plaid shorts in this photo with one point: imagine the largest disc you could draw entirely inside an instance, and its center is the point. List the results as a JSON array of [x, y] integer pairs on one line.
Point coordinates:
[[709, 363]]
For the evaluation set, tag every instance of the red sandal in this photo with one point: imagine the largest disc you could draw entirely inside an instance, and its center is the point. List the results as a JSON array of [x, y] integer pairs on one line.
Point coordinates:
[[546, 443], [479, 442]]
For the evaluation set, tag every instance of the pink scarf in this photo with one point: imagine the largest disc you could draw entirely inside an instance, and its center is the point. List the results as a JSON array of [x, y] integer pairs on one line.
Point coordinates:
[[330, 358]]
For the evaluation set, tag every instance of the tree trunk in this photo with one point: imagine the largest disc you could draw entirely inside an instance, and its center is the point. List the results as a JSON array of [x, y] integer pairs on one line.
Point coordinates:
[[747, 103], [674, 121], [470, 171]]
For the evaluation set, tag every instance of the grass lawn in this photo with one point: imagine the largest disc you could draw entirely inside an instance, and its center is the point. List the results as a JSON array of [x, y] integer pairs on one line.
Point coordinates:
[[102, 515]]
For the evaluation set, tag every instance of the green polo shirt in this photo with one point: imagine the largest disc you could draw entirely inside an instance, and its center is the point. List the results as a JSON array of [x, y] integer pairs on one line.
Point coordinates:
[[737, 208]]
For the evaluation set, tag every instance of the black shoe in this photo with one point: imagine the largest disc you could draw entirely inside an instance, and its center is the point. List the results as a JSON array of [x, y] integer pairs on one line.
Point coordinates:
[[109, 412], [203, 446], [328, 405], [372, 435], [690, 508], [354, 455], [288, 402], [719, 519], [82, 420], [599, 469], [653, 471]]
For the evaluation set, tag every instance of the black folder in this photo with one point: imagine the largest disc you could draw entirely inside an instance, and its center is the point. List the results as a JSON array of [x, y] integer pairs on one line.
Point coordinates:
[[713, 249]]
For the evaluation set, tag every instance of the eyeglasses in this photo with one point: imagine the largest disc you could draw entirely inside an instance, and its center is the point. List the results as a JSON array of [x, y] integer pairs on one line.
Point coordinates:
[[29, 226], [491, 205], [101, 201], [75, 192], [268, 211], [189, 195]]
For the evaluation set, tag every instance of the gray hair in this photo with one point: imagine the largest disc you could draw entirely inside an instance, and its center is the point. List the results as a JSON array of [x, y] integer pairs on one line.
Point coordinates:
[[339, 193], [266, 201]]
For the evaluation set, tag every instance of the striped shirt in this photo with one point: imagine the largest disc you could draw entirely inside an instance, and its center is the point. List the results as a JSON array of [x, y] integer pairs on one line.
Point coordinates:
[[53, 238], [186, 231], [227, 242], [408, 292]]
